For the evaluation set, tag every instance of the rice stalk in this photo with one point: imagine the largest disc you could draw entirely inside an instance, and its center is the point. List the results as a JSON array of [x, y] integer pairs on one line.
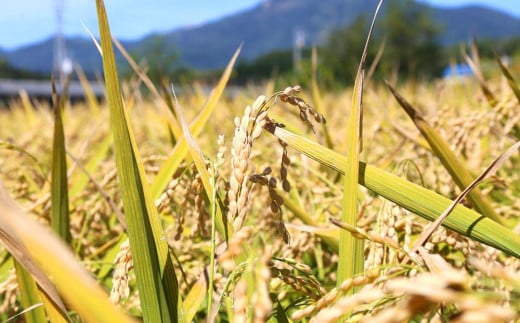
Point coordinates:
[[410, 196], [514, 87], [156, 279], [316, 96], [59, 183], [351, 255], [200, 164], [50, 257], [29, 295], [492, 168], [181, 149], [474, 64], [455, 167]]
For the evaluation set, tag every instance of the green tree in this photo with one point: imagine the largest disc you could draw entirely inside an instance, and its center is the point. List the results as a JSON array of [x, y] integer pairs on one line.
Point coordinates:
[[341, 54], [411, 36], [10, 72], [265, 66], [160, 58], [411, 45]]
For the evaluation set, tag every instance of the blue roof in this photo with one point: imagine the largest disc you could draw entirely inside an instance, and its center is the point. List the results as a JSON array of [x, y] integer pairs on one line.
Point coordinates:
[[457, 70]]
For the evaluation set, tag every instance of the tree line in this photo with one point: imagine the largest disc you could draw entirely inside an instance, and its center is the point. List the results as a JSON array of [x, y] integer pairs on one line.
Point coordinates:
[[405, 44]]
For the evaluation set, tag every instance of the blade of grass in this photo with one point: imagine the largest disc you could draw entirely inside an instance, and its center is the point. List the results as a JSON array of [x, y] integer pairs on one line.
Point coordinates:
[[442, 150], [509, 77], [491, 169], [28, 108], [120, 216], [137, 69], [292, 204], [54, 312], [214, 186], [180, 151], [200, 164], [377, 58], [35, 301], [39, 167], [89, 93], [316, 96], [514, 87], [17, 249], [416, 199], [48, 256], [81, 179], [174, 125], [475, 68], [280, 313], [155, 276], [195, 297], [323, 232], [29, 295], [351, 254], [59, 189], [362, 234], [10, 319]]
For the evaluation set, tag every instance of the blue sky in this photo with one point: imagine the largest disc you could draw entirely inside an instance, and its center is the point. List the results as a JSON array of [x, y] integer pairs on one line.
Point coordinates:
[[26, 21]]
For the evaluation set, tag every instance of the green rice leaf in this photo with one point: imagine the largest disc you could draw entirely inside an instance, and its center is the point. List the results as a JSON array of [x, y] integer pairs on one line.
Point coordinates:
[[351, 254], [48, 256], [29, 296], [293, 205], [316, 97], [195, 298], [15, 245], [181, 149], [474, 65], [54, 312], [453, 165], [155, 276], [59, 189], [28, 107], [80, 179], [514, 87], [281, 316], [173, 124], [491, 169], [417, 199], [200, 164], [509, 77], [41, 170], [89, 93]]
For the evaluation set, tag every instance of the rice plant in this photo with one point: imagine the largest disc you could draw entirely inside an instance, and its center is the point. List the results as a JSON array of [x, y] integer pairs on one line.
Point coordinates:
[[193, 208]]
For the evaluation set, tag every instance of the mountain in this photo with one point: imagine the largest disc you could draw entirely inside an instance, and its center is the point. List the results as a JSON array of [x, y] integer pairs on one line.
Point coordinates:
[[269, 26], [460, 24], [38, 57]]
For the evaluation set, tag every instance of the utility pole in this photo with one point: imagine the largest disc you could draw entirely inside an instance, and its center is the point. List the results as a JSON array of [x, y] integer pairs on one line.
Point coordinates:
[[298, 45], [62, 65]]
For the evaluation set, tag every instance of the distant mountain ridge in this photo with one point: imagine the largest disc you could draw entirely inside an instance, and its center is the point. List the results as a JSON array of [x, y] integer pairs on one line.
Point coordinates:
[[270, 26], [464, 22]]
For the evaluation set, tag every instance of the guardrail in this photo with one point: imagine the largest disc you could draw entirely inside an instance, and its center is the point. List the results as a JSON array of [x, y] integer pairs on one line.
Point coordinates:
[[41, 89]]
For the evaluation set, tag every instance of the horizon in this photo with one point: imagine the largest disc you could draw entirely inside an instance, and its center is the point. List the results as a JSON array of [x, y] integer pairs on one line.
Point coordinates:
[[83, 15]]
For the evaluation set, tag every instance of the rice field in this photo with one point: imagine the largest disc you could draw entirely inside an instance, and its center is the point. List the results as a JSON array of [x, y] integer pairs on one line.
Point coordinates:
[[196, 207]]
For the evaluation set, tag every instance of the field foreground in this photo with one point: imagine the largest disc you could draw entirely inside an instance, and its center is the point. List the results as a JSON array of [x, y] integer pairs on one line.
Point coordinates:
[[281, 258]]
